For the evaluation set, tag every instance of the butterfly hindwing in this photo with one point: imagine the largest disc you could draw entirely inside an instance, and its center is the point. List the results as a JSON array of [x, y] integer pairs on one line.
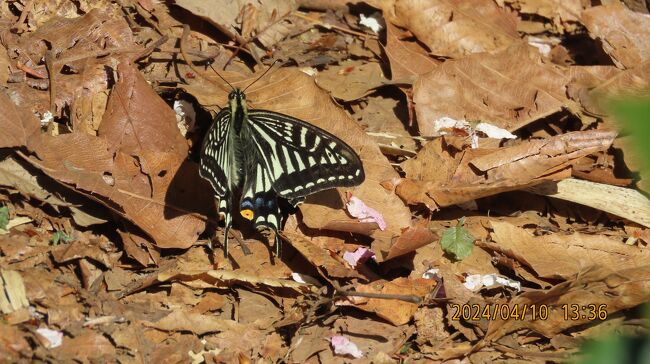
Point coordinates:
[[259, 202], [300, 158]]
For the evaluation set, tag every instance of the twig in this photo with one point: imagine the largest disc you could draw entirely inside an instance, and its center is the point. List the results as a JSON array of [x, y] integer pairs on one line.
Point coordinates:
[[50, 66], [186, 33], [330, 26], [525, 353], [386, 296], [20, 24]]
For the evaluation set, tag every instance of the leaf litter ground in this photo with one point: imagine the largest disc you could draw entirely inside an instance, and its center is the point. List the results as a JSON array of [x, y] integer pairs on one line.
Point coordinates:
[[462, 245]]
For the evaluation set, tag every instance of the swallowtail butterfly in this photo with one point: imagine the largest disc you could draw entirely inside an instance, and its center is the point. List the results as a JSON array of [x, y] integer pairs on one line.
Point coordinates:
[[266, 156]]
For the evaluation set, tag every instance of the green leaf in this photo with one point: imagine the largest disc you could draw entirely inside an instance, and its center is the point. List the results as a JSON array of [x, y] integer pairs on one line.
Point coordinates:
[[59, 236], [457, 241], [4, 217]]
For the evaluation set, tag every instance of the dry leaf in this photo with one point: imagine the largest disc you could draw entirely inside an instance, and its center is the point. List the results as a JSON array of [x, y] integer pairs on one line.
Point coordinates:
[[509, 89], [486, 172], [456, 28], [570, 254], [394, 311], [351, 81], [623, 32], [408, 59], [618, 290]]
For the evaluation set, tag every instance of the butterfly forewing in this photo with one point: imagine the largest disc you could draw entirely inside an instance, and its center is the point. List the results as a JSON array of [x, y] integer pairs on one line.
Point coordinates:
[[215, 164], [300, 158]]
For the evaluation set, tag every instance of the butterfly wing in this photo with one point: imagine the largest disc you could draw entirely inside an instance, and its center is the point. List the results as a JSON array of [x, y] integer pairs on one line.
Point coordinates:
[[300, 158], [259, 202], [216, 165]]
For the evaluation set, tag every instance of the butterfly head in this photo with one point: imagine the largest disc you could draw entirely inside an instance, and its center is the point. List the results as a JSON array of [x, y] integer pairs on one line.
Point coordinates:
[[236, 94], [237, 101]]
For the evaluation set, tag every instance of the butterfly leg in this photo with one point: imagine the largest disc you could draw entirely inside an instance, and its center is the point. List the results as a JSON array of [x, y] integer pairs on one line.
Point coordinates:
[[224, 208]]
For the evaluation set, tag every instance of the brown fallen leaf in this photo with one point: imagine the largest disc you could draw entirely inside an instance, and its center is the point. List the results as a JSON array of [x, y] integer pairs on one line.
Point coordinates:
[[364, 334], [593, 86], [617, 290], [486, 172], [13, 344], [269, 19], [570, 254], [623, 32], [564, 15], [455, 28], [75, 77], [84, 162], [80, 248], [408, 59], [89, 346], [397, 312], [196, 323], [474, 88], [412, 238], [384, 120], [251, 304], [17, 123], [350, 80], [320, 258]]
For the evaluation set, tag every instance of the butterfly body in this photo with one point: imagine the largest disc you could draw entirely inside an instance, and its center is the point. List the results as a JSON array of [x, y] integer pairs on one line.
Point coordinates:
[[267, 155]]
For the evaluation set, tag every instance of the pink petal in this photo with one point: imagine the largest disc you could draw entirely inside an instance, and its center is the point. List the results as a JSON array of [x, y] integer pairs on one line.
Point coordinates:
[[343, 346], [364, 213], [358, 256]]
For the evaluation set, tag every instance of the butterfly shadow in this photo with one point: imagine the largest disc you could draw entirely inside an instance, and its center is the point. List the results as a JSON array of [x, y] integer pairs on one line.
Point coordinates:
[[188, 193]]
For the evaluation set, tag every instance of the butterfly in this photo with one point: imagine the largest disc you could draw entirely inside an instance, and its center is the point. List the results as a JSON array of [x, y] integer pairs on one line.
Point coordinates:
[[270, 156]]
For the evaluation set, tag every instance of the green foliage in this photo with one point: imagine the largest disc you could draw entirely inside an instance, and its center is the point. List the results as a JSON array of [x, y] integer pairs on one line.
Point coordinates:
[[61, 236], [614, 348], [4, 217], [634, 116], [457, 241]]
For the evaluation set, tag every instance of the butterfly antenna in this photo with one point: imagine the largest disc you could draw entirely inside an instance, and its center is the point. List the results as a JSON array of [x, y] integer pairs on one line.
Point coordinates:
[[221, 77], [265, 72]]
